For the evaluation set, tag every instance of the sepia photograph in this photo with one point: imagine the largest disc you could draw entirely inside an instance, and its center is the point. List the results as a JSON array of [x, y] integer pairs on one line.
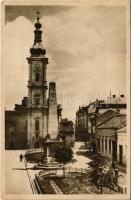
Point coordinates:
[[66, 100]]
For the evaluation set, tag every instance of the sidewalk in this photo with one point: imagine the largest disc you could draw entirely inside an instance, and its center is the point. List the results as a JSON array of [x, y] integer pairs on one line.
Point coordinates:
[[16, 178]]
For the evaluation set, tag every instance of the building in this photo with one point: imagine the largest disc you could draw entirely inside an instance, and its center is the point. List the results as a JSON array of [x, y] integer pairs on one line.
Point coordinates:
[[66, 132], [81, 126], [37, 116], [96, 120], [122, 146], [85, 114], [104, 117], [113, 102], [106, 135]]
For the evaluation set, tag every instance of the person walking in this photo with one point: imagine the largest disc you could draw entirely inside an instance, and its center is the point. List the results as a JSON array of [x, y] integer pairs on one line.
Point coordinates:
[[21, 157]]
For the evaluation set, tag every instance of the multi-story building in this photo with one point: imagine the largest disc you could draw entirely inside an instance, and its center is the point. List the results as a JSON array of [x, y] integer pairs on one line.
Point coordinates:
[[66, 132], [81, 127], [85, 114], [116, 103], [106, 135], [37, 116]]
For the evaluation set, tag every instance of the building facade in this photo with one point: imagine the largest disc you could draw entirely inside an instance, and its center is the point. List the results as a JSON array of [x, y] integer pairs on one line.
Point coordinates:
[[66, 132], [37, 116], [85, 114], [106, 136], [122, 146], [81, 125]]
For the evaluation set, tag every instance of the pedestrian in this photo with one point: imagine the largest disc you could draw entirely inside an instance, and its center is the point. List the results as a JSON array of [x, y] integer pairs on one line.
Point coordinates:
[[21, 157]]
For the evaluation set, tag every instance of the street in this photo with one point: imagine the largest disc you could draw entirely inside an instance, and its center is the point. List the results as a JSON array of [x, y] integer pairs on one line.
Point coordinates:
[[81, 161], [16, 178], [17, 174]]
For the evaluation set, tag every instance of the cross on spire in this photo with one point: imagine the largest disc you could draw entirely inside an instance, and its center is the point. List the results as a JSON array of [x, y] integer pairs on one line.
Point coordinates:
[[38, 15]]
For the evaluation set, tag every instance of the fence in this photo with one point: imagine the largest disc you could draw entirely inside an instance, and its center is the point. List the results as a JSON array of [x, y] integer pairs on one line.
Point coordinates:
[[59, 172], [76, 170]]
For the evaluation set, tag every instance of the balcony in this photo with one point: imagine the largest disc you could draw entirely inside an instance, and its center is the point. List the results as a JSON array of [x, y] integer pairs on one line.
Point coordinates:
[[37, 84]]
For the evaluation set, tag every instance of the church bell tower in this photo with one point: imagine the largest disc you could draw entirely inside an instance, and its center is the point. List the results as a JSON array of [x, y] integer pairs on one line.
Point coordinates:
[[37, 84], [34, 122], [37, 88]]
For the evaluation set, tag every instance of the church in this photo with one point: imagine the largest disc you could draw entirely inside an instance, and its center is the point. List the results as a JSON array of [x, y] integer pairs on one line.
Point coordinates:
[[38, 116]]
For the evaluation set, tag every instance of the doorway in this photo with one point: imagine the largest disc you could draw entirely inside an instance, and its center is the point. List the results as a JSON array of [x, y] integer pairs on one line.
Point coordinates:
[[114, 150], [120, 154]]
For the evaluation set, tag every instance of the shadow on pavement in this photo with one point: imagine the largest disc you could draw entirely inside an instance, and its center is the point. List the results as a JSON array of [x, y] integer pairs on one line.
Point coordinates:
[[23, 168]]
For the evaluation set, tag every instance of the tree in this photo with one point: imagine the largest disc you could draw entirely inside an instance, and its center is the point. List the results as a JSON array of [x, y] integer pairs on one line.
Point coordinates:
[[63, 155], [101, 173]]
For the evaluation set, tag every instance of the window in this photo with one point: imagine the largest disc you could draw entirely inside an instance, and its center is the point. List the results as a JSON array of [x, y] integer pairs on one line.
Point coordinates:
[[12, 134], [120, 154], [37, 125], [37, 76], [37, 99]]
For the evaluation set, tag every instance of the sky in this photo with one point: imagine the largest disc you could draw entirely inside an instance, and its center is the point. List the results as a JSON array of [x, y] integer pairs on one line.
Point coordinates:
[[86, 47]]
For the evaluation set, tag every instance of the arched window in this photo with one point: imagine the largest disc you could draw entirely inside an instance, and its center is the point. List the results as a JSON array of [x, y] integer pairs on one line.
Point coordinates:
[[12, 134], [37, 76], [37, 125]]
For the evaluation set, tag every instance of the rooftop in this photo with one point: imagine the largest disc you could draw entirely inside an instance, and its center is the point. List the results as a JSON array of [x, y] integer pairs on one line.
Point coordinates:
[[105, 116], [124, 129], [116, 122]]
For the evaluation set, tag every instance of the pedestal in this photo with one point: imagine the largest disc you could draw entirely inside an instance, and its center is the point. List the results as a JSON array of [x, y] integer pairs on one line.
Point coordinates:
[[49, 161]]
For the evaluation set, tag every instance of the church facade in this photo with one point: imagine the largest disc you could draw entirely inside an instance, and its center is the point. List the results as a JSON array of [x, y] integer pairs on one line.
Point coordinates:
[[37, 117]]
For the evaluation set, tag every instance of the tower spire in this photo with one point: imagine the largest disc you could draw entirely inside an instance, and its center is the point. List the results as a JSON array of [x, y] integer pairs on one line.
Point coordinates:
[[38, 17], [37, 48], [37, 31]]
